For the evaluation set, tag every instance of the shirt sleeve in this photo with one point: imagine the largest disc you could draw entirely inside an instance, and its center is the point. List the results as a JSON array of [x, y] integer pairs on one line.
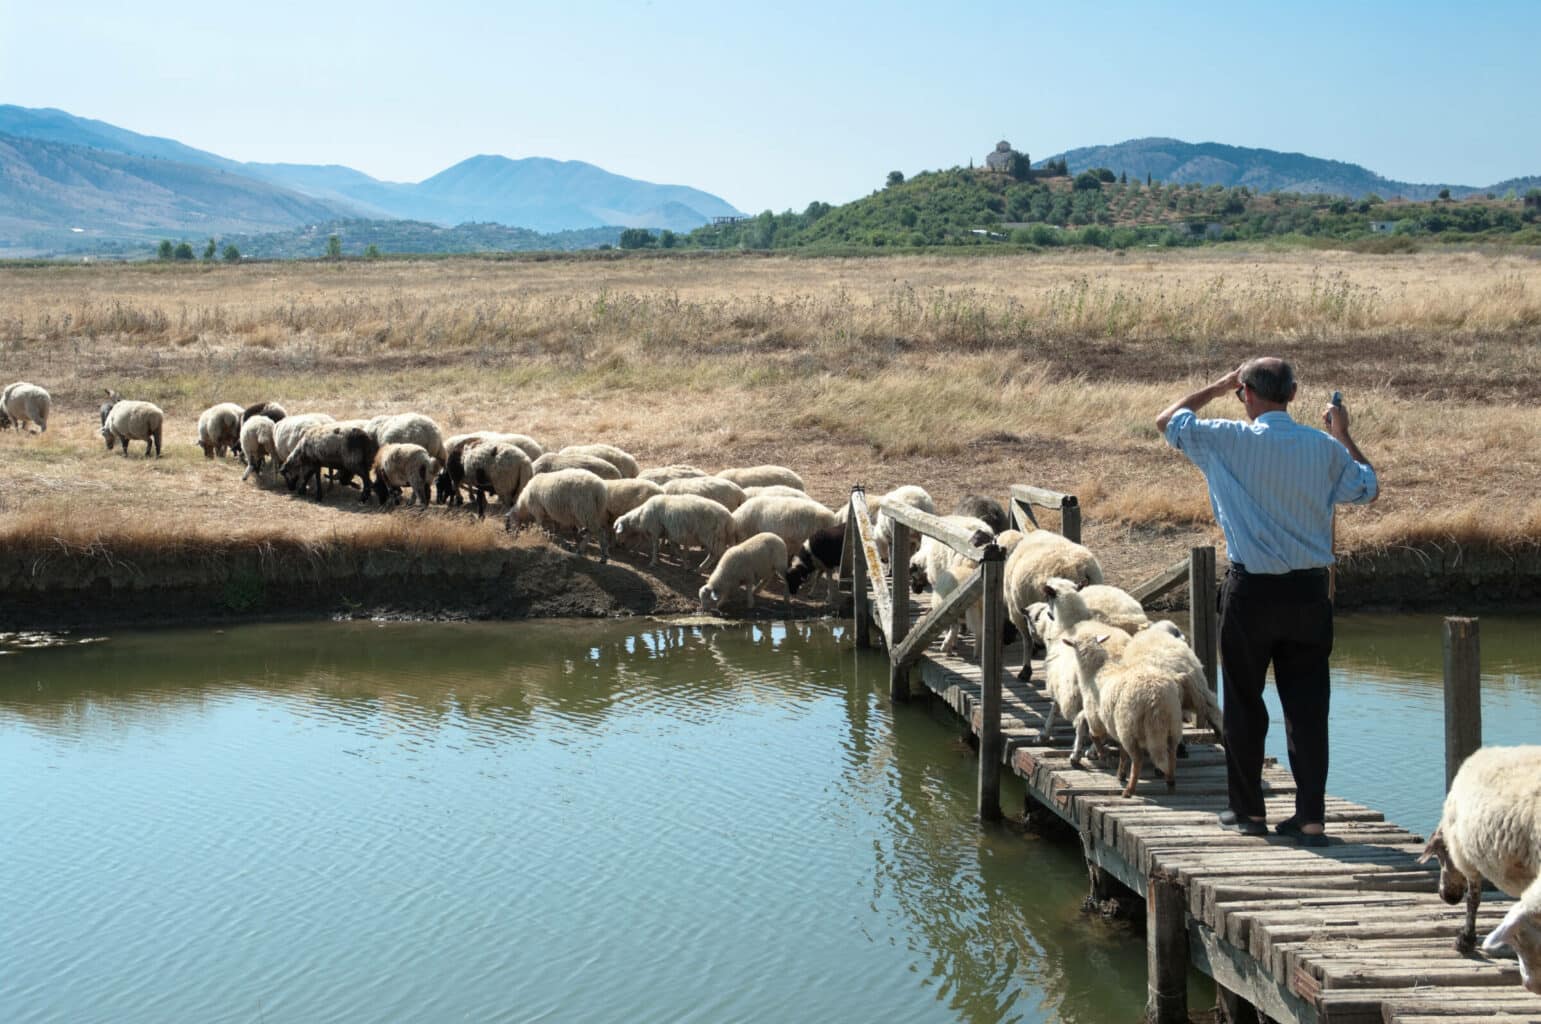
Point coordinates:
[[1186, 433], [1356, 483]]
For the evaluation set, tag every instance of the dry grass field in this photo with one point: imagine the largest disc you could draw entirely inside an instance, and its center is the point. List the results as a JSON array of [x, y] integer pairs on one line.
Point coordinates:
[[958, 373]]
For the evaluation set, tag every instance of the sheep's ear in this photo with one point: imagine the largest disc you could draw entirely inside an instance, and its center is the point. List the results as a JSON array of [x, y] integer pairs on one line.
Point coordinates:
[[1102, 638], [1435, 848], [1067, 641], [1078, 586], [1501, 935], [1142, 627], [1049, 591]]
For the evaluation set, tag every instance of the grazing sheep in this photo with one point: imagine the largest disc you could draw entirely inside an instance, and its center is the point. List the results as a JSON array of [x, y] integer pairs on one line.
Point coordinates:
[[820, 555], [272, 410], [551, 462], [911, 495], [22, 403], [498, 467], [346, 448], [725, 492], [1140, 704], [954, 575], [748, 564], [287, 434], [567, 498], [621, 496], [794, 520], [777, 489], [763, 476], [609, 452], [448, 485], [988, 509], [257, 444], [1491, 829], [408, 428], [685, 520], [219, 429], [125, 421], [663, 474], [399, 465], [1039, 557]]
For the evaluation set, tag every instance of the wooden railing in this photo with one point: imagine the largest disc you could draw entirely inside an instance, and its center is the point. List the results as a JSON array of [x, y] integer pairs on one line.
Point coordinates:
[[1024, 498]]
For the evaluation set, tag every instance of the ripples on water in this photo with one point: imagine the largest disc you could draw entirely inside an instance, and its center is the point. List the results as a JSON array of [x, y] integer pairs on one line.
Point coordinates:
[[575, 821]]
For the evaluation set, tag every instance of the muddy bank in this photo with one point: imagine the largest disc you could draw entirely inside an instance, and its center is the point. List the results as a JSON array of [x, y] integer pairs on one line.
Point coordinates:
[[74, 588]]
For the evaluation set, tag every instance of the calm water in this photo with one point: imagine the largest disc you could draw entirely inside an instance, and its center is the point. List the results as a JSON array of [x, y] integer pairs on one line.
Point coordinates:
[[571, 822]]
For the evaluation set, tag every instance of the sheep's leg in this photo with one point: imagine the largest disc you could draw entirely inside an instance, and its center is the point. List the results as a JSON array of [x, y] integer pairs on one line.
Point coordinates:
[[1123, 763], [1466, 941], [652, 561], [124, 442], [1171, 769], [1048, 721], [1083, 734], [1136, 763]]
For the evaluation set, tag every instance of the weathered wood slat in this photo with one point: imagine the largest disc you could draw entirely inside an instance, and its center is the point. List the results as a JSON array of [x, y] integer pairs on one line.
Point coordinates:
[[964, 542], [877, 578], [932, 625], [1165, 581]]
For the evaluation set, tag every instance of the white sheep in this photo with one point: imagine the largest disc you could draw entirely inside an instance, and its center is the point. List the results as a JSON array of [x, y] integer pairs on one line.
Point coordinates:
[[22, 403], [933, 556], [1491, 829], [794, 520], [748, 564], [219, 429], [399, 465], [1073, 604], [552, 462], [618, 458], [776, 489], [1104, 643], [408, 428], [725, 492], [762, 476], [498, 467], [567, 499], [685, 520], [625, 494], [257, 445], [1062, 676], [663, 474], [1038, 557], [125, 421], [1159, 647], [288, 431], [909, 494], [1139, 702], [272, 410]]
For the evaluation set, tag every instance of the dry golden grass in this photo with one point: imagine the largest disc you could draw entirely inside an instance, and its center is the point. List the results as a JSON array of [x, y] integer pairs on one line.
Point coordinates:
[[962, 374]]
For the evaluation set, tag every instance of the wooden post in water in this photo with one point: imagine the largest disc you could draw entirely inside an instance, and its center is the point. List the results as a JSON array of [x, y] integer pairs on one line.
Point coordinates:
[[860, 605], [1070, 518], [991, 743], [1463, 693], [1166, 950], [1202, 614], [899, 628]]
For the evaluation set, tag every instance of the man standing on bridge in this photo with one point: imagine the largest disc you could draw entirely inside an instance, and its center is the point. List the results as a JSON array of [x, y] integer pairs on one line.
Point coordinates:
[[1272, 485]]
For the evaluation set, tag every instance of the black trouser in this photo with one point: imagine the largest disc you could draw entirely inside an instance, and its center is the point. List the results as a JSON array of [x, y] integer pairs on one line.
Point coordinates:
[[1286, 620]]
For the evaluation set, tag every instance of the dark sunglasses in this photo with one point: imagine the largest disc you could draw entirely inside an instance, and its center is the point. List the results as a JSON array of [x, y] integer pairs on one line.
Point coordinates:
[[1241, 388]]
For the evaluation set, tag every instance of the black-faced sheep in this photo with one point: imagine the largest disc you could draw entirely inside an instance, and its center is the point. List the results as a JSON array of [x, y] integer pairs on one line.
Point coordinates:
[[22, 404], [272, 410], [348, 449], [989, 510], [1491, 829], [820, 556], [125, 421], [498, 467], [287, 434]]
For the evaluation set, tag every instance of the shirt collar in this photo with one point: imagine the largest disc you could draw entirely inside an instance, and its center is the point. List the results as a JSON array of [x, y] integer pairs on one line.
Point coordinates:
[[1275, 416]]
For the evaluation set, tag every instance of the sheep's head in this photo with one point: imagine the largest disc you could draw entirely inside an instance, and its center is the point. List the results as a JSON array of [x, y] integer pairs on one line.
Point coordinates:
[[1452, 883], [1520, 931], [443, 488], [107, 436], [5, 421], [628, 532], [798, 572], [918, 578], [292, 470], [710, 597], [112, 400], [1059, 585]]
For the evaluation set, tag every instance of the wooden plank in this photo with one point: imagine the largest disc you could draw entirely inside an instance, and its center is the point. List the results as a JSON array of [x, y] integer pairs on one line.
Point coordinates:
[[877, 579], [1463, 693], [1165, 581], [1239, 973], [991, 748], [1166, 951], [860, 601], [936, 621], [899, 608], [1203, 621], [1040, 496], [964, 542]]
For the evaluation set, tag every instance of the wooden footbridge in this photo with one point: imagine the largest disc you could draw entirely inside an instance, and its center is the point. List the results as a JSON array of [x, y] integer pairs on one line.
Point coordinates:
[[1350, 933]]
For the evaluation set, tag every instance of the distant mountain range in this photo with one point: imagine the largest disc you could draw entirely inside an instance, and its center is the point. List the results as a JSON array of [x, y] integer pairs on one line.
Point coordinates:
[[1261, 170], [71, 183]]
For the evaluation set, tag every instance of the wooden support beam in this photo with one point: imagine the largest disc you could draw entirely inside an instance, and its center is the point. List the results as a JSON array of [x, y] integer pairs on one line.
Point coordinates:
[[937, 619], [1166, 950], [1040, 496], [1070, 519], [991, 744], [860, 602], [1021, 515], [1463, 693], [1168, 579], [867, 552], [899, 624], [1203, 614], [964, 542]]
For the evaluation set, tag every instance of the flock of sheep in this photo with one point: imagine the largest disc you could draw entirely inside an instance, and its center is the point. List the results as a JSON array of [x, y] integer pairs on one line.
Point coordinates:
[[1108, 669]]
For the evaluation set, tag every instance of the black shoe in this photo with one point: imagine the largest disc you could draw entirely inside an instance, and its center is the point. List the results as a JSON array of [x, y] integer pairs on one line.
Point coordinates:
[[1246, 826], [1292, 827]]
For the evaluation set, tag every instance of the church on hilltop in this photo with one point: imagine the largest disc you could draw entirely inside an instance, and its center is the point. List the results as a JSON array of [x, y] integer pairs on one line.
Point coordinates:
[[1000, 160]]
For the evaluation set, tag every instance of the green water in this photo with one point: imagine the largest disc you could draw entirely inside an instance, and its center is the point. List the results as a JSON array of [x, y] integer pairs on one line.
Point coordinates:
[[571, 822]]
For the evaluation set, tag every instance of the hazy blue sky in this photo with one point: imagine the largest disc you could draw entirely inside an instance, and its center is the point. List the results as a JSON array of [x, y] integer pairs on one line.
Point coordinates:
[[774, 105]]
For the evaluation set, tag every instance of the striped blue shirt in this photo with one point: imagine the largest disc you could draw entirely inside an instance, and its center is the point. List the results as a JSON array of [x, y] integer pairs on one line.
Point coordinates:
[[1272, 485]]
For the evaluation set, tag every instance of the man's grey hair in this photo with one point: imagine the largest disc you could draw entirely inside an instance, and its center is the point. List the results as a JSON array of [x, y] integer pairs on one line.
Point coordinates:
[[1273, 381]]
